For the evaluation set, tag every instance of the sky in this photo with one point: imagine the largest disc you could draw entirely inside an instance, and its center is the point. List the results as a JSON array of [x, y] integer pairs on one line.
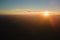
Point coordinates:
[[35, 5]]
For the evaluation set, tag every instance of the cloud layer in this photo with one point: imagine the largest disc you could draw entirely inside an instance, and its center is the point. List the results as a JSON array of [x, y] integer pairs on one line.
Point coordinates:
[[20, 12]]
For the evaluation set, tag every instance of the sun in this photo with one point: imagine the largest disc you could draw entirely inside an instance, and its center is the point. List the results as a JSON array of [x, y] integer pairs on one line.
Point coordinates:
[[46, 13]]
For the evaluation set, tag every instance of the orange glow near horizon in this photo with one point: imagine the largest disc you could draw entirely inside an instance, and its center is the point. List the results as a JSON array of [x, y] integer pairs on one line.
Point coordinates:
[[46, 13]]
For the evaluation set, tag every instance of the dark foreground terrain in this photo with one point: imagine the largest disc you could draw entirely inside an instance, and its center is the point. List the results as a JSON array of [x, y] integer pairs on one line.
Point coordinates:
[[29, 27]]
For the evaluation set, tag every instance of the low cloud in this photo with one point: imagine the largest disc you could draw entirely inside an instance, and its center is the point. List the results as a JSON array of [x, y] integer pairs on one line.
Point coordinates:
[[18, 11], [23, 12]]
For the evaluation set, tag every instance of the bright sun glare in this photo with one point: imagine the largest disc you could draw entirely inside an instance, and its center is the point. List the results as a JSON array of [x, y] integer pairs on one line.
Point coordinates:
[[46, 13]]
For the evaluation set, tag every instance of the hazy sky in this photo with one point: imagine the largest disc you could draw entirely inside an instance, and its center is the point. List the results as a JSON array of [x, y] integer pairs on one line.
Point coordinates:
[[30, 4]]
